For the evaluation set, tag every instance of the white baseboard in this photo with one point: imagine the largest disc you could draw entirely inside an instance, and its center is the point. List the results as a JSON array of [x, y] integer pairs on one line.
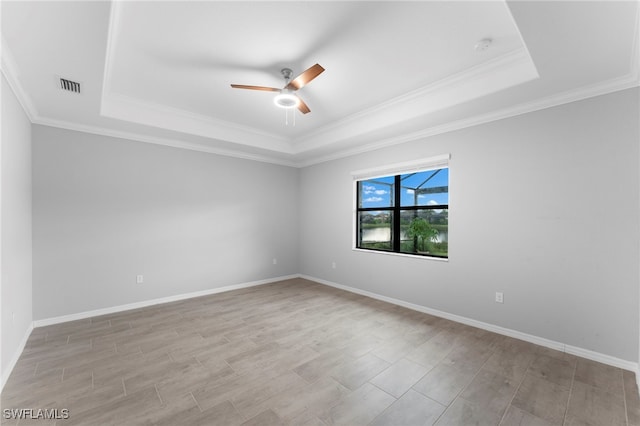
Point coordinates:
[[16, 356], [584, 353], [145, 303]]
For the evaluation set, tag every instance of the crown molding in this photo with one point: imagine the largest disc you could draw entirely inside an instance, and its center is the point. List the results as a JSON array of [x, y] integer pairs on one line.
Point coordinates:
[[629, 80], [508, 70], [610, 86], [512, 68], [174, 143], [112, 33], [455, 79], [122, 107], [625, 82], [634, 65], [10, 71]]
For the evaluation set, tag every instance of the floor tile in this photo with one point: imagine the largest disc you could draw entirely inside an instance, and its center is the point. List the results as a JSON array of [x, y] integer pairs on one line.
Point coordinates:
[[632, 398], [398, 378], [553, 353], [542, 398], [433, 350], [352, 373], [314, 421], [510, 363], [552, 369], [412, 408], [251, 401], [267, 417], [308, 401], [211, 394], [123, 410], [252, 358], [468, 356], [223, 414], [95, 398], [491, 391], [320, 366], [443, 383], [517, 417], [394, 349], [358, 408], [593, 406], [601, 376], [462, 412]]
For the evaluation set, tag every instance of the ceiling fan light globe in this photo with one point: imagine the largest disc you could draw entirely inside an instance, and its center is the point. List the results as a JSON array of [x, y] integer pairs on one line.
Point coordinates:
[[286, 100]]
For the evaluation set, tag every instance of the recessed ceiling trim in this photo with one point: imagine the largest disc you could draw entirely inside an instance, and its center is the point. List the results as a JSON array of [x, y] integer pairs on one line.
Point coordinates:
[[175, 143], [610, 86], [112, 35], [510, 69], [135, 110], [116, 105], [10, 72], [635, 48], [622, 83], [390, 112]]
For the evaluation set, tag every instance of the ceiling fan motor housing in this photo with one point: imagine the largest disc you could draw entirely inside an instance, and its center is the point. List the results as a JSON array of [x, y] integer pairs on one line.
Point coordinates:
[[286, 73]]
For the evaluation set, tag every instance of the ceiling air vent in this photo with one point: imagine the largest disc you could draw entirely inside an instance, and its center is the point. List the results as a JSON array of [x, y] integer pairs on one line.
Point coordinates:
[[69, 86]]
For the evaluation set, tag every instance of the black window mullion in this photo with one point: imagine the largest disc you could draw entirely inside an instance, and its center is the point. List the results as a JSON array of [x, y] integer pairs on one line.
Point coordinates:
[[397, 192]]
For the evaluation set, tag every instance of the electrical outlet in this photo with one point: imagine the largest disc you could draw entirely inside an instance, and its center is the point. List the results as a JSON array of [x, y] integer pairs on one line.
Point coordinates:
[[13, 317], [499, 297], [275, 261], [333, 265], [139, 279]]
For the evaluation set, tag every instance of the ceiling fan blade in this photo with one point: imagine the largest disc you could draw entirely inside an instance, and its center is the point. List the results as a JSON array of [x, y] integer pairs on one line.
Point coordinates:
[[302, 107], [263, 88], [304, 78]]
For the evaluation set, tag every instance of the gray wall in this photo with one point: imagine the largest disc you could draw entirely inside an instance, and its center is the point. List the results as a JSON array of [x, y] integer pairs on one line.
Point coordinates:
[[15, 228], [107, 209], [544, 207]]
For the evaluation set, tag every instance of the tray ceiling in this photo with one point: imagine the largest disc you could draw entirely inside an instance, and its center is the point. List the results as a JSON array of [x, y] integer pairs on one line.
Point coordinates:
[[395, 71]]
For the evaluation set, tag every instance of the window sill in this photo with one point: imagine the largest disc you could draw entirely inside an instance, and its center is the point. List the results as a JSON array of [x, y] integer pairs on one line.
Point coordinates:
[[392, 253]]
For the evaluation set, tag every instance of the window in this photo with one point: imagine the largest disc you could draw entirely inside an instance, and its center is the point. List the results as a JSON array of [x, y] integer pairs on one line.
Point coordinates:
[[404, 212]]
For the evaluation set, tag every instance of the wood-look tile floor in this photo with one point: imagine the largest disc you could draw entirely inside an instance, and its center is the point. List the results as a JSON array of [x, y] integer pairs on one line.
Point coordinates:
[[300, 353]]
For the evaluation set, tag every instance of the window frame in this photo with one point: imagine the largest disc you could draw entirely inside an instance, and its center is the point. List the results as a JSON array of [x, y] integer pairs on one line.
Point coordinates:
[[395, 171]]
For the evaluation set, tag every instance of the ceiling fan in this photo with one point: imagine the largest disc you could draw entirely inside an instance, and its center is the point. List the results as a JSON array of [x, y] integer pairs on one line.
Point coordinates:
[[287, 97]]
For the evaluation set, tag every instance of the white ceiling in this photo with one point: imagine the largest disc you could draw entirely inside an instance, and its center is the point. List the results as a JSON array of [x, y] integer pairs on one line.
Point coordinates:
[[395, 71]]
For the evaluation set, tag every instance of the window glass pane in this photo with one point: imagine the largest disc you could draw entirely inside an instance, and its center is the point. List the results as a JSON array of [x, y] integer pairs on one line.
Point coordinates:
[[377, 192], [425, 231], [374, 230], [428, 188], [420, 203]]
